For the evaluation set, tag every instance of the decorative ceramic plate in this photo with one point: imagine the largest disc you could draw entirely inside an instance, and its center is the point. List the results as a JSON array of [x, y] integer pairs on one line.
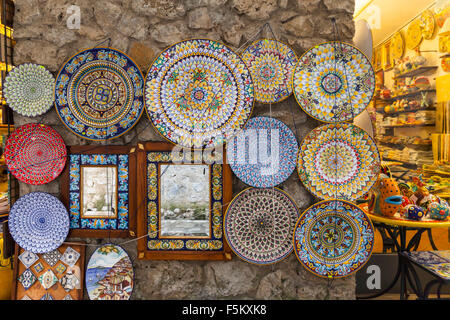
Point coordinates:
[[338, 160], [333, 238], [333, 82], [39, 222], [35, 154], [397, 46], [198, 93], [413, 35], [427, 24], [268, 157], [271, 64], [99, 94], [109, 274], [259, 224], [28, 89]]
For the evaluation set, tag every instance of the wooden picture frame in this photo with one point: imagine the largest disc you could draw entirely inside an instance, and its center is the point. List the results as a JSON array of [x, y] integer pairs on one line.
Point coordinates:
[[388, 62], [123, 223], [151, 245], [377, 56], [36, 291]]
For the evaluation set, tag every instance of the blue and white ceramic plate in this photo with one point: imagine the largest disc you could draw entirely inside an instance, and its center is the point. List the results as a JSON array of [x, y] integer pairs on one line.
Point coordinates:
[[264, 154], [39, 222], [99, 94], [333, 238]]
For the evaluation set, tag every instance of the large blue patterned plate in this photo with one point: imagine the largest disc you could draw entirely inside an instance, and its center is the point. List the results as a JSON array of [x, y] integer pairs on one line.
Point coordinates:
[[198, 93], [38, 222], [259, 224], [333, 82], [271, 64], [333, 238], [264, 154], [99, 94]]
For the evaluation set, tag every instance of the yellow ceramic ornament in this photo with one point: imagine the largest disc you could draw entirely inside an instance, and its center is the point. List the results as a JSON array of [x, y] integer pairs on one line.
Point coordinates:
[[428, 24], [397, 46], [413, 35]]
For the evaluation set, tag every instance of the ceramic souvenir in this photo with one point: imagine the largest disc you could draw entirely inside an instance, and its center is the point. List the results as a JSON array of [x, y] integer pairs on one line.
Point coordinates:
[[445, 64], [386, 198], [271, 64], [397, 46], [438, 211], [414, 212], [28, 89], [333, 82], [427, 24], [198, 93], [333, 238], [338, 160], [109, 274], [99, 94], [259, 224], [35, 154], [413, 35], [268, 157], [38, 222]]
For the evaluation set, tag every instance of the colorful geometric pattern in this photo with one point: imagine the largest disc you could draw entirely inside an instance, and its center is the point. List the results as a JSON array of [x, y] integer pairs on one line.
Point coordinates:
[[70, 256], [27, 278], [69, 281], [333, 238], [28, 89], [427, 24], [60, 268], [198, 93], [154, 242], [38, 222], [99, 94], [259, 224], [38, 267], [338, 160], [269, 156], [75, 163], [35, 154], [271, 64], [333, 82], [413, 35], [48, 279], [397, 46], [28, 258], [52, 257]]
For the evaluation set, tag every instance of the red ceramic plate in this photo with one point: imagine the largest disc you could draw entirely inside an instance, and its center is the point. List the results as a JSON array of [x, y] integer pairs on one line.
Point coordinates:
[[35, 154]]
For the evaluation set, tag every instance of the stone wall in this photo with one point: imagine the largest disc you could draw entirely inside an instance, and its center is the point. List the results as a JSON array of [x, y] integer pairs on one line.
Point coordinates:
[[143, 28]]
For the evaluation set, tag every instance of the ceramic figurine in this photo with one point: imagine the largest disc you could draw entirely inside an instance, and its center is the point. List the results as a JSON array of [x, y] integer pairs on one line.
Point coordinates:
[[386, 198], [414, 212], [438, 211]]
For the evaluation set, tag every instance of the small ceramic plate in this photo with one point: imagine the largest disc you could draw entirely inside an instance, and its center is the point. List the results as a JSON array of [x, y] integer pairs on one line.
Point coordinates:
[[413, 35], [263, 155]]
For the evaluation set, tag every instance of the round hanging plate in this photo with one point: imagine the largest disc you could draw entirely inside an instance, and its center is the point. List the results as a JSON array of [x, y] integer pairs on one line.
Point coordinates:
[[413, 35], [271, 64], [338, 160], [109, 274], [28, 89], [38, 222], [397, 46], [35, 154], [427, 24], [333, 82], [99, 94], [333, 238], [259, 224], [267, 158], [198, 93]]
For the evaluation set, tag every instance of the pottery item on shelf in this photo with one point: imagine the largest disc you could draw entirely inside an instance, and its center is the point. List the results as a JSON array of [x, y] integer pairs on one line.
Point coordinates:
[[418, 60], [445, 64], [414, 212], [422, 83], [386, 197], [385, 93], [438, 211]]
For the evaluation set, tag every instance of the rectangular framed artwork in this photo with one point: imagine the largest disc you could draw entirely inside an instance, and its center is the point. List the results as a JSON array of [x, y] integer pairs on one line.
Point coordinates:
[[181, 200], [99, 189]]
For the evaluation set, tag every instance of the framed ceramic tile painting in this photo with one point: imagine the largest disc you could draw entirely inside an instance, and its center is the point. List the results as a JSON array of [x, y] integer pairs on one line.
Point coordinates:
[[184, 197], [98, 188]]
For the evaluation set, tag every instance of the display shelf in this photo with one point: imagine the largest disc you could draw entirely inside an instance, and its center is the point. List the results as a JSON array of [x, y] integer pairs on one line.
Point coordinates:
[[403, 162], [409, 145], [405, 111], [407, 95], [410, 125], [415, 72]]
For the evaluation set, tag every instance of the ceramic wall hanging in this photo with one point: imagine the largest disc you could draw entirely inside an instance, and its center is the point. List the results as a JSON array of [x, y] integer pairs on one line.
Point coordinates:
[[38, 222], [413, 35], [35, 154], [99, 94], [267, 157], [338, 161], [333, 82], [427, 24], [397, 46], [198, 93], [259, 224], [333, 238], [109, 274], [271, 64], [28, 89]]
